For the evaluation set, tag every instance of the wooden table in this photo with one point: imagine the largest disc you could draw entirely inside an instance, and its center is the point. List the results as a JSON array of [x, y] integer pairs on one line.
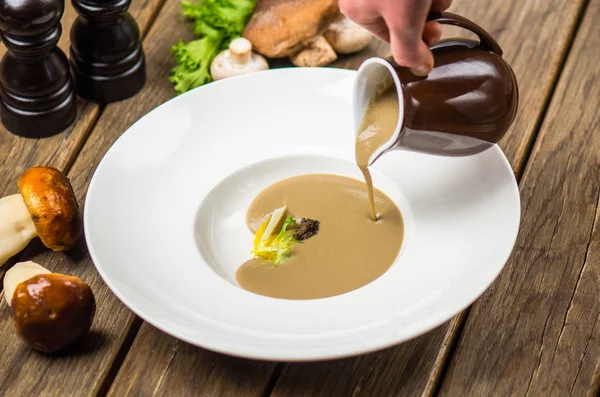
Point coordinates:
[[535, 332]]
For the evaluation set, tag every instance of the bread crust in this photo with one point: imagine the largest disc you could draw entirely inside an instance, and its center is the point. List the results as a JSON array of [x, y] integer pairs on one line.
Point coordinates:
[[280, 28]]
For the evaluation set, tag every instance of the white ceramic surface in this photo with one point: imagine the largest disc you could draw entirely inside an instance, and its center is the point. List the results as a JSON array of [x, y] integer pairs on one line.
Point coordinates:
[[164, 220]]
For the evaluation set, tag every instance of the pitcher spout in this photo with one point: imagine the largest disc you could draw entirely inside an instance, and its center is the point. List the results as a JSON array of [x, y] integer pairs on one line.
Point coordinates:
[[463, 107], [375, 76]]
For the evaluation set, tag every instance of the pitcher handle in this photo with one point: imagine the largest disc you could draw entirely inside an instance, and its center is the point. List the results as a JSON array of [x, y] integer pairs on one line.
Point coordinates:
[[448, 18]]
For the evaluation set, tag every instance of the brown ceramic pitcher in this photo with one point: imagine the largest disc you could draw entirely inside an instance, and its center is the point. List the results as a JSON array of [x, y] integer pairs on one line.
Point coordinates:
[[463, 107]]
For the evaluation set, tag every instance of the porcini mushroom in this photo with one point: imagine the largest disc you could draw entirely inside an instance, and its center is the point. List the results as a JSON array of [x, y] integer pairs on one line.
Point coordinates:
[[280, 28], [50, 311], [237, 60], [46, 207], [318, 53], [346, 37]]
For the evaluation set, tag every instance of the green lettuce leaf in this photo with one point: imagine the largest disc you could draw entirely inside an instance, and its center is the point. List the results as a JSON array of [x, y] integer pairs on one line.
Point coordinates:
[[215, 23]]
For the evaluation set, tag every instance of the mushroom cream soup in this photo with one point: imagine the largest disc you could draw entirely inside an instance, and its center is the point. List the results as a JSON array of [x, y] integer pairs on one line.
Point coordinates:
[[349, 251], [320, 235]]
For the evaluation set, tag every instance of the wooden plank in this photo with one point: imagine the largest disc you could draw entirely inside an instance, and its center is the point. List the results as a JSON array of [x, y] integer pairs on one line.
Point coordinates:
[[585, 305], [83, 370], [175, 368], [414, 367], [537, 330], [385, 373]]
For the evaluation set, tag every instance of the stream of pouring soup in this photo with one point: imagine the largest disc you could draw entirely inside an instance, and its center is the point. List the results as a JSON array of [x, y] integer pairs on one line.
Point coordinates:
[[377, 127], [349, 251]]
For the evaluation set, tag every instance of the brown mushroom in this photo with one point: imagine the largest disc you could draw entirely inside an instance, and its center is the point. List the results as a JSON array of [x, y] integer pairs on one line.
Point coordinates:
[[50, 311], [280, 28], [317, 53], [46, 207]]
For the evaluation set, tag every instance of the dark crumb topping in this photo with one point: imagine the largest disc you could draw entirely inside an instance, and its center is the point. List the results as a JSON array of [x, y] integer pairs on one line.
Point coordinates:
[[306, 229]]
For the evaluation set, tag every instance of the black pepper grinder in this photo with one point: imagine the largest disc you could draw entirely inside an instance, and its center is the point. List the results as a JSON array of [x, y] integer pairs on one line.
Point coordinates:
[[36, 91], [106, 52]]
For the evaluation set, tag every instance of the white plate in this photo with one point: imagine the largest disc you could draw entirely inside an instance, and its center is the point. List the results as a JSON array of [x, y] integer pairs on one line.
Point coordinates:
[[164, 220]]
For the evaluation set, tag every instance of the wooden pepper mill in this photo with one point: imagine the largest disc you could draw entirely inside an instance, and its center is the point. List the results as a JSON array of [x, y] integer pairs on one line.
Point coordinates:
[[36, 91], [106, 53]]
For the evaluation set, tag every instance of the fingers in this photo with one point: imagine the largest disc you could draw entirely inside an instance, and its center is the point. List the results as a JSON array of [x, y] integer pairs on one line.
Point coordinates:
[[403, 25], [379, 29], [367, 16], [440, 5], [432, 33], [414, 54], [406, 21]]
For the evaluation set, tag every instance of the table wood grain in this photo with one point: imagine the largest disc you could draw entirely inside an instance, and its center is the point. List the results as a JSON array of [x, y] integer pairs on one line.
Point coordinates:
[[534, 332]]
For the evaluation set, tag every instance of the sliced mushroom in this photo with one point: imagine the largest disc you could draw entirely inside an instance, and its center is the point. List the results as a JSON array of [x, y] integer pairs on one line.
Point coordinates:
[[46, 207], [50, 311], [237, 60], [318, 53], [280, 28], [346, 37]]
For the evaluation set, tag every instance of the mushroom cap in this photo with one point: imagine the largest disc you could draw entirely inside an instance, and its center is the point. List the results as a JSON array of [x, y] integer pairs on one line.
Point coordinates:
[[280, 28], [50, 199], [52, 311], [347, 37]]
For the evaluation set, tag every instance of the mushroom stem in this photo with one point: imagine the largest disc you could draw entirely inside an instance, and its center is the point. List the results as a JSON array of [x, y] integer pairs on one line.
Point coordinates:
[[236, 60], [240, 51], [20, 272], [16, 227]]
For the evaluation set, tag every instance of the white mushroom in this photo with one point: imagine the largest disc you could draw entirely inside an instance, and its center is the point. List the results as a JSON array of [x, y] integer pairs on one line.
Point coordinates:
[[317, 53], [238, 59], [346, 37]]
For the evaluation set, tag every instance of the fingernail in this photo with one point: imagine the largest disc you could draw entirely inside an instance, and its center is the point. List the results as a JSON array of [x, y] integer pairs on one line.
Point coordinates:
[[434, 40], [421, 71]]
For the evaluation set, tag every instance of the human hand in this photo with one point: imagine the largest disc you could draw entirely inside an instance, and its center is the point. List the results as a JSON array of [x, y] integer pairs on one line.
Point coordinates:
[[402, 23]]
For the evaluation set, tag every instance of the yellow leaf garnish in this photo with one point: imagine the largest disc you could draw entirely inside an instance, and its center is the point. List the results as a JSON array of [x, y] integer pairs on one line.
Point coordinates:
[[261, 231], [278, 247]]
